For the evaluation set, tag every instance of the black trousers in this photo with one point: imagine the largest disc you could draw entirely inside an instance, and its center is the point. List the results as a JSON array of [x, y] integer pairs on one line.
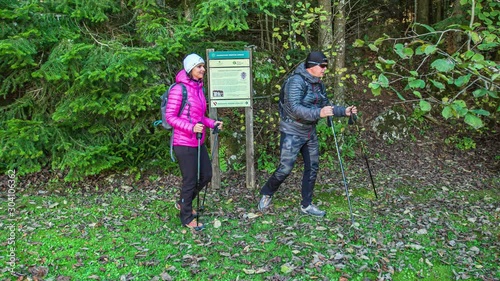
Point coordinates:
[[188, 164]]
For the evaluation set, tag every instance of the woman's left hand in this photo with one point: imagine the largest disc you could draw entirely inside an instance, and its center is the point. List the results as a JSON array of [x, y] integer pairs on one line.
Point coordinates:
[[218, 124]]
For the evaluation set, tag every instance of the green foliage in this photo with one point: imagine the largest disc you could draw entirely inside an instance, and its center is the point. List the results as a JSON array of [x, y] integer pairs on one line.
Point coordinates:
[[77, 99], [223, 166], [346, 141], [24, 145], [464, 143], [93, 10], [297, 35], [266, 126], [17, 53], [230, 15], [461, 83], [264, 70], [234, 19]]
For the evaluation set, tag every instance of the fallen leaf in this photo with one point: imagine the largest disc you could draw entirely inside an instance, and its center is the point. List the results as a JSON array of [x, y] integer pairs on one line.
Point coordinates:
[[126, 188], [286, 268], [169, 267], [422, 231], [253, 215], [217, 223], [415, 246], [249, 271], [260, 270]]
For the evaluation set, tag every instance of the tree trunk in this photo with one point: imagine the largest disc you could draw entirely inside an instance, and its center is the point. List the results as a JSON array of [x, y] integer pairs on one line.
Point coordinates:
[[422, 14], [454, 39], [262, 30], [439, 11], [325, 29], [339, 69]]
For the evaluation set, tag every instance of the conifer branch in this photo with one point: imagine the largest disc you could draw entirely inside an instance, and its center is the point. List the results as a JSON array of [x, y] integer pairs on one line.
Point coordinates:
[[90, 33]]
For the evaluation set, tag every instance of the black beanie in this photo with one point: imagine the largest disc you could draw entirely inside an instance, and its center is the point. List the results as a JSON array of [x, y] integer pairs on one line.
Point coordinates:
[[315, 58]]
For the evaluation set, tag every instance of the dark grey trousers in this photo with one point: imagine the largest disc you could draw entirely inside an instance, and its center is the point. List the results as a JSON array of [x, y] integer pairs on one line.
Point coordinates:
[[290, 146]]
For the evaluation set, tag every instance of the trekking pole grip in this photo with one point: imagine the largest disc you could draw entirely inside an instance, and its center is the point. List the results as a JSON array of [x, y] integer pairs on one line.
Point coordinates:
[[216, 128], [352, 119], [329, 121], [198, 135]]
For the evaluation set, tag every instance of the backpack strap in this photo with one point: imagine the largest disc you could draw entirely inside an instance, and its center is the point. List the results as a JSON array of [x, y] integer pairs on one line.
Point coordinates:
[[183, 105], [282, 106], [184, 99]]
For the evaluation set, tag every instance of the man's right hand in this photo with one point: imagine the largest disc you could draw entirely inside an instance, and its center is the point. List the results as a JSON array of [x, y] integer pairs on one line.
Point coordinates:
[[326, 111]]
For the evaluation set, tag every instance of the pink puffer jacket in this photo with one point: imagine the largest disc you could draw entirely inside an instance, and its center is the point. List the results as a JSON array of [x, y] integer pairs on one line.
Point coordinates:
[[193, 112]]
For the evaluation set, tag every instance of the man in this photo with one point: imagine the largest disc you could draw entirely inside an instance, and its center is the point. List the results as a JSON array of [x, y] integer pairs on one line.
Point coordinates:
[[303, 102]]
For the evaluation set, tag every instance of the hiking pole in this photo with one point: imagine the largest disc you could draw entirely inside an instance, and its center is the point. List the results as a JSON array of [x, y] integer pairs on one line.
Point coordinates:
[[351, 121], [198, 137], [341, 167], [216, 133]]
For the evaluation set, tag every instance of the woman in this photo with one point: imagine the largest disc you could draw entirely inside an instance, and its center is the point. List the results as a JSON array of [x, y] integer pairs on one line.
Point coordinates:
[[186, 125]]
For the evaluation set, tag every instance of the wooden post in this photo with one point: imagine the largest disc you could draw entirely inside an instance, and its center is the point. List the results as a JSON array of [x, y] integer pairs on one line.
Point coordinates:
[[250, 152]]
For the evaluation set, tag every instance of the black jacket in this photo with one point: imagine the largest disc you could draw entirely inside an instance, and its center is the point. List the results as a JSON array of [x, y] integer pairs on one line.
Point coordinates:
[[304, 96]]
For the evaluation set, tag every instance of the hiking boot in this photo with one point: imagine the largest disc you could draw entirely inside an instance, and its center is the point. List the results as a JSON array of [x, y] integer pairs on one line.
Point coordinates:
[[265, 201], [178, 207], [195, 225], [313, 211]]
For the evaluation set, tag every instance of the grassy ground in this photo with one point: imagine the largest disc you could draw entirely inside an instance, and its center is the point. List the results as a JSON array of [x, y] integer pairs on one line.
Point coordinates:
[[431, 234]]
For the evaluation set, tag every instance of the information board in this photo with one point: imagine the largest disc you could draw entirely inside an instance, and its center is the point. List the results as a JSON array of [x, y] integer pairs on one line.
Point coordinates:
[[229, 78]]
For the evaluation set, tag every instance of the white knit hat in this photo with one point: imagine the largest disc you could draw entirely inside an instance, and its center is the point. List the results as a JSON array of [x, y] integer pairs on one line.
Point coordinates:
[[191, 61]]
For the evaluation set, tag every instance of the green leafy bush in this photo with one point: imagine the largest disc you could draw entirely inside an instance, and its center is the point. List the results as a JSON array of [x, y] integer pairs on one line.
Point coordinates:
[[460, 79]]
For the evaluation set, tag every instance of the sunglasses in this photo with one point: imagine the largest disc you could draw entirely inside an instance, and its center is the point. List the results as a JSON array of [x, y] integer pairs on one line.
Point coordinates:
[[319, 64]]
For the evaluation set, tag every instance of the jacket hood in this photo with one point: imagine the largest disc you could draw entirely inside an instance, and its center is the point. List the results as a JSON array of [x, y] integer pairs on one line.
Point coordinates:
[[183, 77], [301, 70]]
